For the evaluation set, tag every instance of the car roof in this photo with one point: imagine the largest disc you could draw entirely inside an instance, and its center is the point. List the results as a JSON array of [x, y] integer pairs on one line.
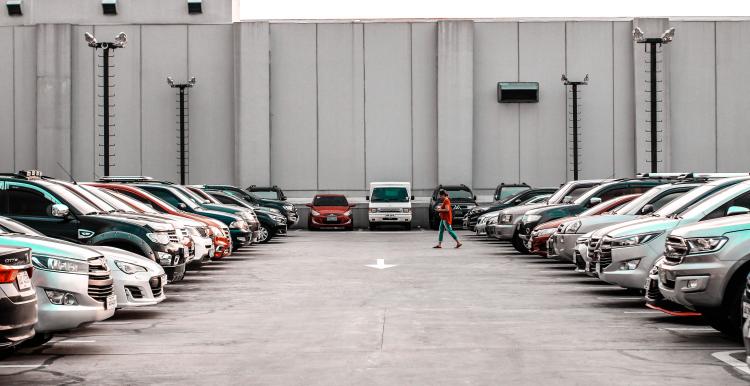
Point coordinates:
[[330, 195]]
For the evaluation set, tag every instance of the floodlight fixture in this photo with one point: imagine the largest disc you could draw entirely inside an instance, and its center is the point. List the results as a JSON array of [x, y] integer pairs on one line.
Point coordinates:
[[192, 81], [90, 39], [170, 81], [668, 35], [638, 35], [121, 40]]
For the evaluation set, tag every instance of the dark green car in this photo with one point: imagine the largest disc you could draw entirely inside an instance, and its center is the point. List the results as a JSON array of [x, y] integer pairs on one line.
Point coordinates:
[[287, 209]]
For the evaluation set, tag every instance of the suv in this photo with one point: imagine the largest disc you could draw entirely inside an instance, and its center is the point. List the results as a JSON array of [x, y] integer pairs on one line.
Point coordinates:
[[18, 300], [706, 264], [462, 199], [504, 191], [591, 198], [625, 254], [267, 192], [471, 218], [56, 211], [287, 209], [272, 222]]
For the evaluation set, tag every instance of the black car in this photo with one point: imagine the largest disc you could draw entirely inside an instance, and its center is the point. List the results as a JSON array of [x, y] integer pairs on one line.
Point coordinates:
[[462, 199], [18, 312], [267, 192], [599, 194], [51, 208], [470, 219], [271, 224], [287, 209]]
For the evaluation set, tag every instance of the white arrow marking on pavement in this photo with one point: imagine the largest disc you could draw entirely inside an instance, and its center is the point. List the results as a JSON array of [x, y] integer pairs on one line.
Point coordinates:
[[726, 357], [381, 264]]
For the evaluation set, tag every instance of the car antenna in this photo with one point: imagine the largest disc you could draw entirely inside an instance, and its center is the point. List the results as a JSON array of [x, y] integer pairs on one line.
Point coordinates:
[[68, 173]]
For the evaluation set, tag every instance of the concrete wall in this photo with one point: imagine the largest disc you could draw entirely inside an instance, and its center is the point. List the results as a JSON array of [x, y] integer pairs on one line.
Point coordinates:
[[332, 106]]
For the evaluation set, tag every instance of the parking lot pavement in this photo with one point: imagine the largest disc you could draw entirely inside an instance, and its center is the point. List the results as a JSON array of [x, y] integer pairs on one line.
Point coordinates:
[[307, 310]]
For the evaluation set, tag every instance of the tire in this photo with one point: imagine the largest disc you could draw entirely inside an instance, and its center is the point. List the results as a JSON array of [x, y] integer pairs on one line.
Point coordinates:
[[263, 234], [372, 226], [728, 318], [407, 226], [39, 339], [519, 245]]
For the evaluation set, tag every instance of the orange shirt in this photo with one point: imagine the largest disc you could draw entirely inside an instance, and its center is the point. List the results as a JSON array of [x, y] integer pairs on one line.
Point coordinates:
[[447, 216]]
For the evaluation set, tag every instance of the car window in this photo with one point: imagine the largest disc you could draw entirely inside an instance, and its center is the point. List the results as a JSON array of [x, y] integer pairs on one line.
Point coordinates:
[[460, 194], [389, 194], [577, 194], [225, 199], [616, 192], [330, 201], [266, 194], [665, 199], [742, 200], [166, 195], [23, 201], [507, 191]]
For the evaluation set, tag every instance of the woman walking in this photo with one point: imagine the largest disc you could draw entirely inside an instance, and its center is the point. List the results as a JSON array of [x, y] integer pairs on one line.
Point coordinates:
[[446, 219]]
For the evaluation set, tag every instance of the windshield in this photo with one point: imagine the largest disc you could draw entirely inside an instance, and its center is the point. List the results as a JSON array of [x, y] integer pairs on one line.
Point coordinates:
[[572, 189], [139, 206], [100, 194], [11, 226], [203, 195], [716, 199], [680, 204], [198, 200], [508, 191], [75, 201], [389, 194], [268, 194], [330, 201], [537, 199], [86, 195], [459, 194]]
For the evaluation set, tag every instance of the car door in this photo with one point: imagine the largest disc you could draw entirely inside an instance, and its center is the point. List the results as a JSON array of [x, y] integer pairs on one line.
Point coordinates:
[[31, 205]]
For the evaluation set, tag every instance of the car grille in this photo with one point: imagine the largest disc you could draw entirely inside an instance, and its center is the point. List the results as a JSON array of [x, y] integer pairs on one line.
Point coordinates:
[[202, 231], [675, 251], [135, 292], [593, 245], [390, 210], [100, 280], [652, 292], [605, 252], [173, 237], [155, 283]]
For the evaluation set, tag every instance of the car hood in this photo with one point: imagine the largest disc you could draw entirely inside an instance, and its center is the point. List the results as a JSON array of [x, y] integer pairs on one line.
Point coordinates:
[[491, 214], [592, 223], [49, 246], [112, 254], [228, 214], [330, 209], [645, 225], [521, 209], [554, 223], [715, 227], [543, 208], [129, 219]]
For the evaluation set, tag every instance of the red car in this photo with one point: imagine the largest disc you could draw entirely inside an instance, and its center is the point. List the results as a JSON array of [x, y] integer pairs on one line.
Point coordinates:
[[222, 241], [330, 211], [542, 232]]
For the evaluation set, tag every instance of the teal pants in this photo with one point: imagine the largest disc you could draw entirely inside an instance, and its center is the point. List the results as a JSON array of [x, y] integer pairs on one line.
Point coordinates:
[[445, 226]]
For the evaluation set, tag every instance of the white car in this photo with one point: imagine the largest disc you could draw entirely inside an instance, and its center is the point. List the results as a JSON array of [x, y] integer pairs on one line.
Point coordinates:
[[137, 280]]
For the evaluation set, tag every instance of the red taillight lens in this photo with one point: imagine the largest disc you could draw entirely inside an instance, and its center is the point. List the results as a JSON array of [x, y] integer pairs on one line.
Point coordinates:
[[7, 275]]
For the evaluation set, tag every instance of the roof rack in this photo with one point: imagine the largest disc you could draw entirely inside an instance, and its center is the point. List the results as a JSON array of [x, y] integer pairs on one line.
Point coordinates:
[[660, 175], [131, 179], [25, 174], [713, 175]]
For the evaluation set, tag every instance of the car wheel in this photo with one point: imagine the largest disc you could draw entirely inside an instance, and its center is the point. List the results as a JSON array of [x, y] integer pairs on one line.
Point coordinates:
[[407, 226], [263, 234], [372, 226], [39, 339], [519, 245], [728, 318]]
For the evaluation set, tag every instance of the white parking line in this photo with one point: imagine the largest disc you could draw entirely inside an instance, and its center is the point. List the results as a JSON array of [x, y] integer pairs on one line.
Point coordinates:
[[72, 341], [620, 298], [21, 366], [116, 322], [643, 312], [696, 329], [726, 357]]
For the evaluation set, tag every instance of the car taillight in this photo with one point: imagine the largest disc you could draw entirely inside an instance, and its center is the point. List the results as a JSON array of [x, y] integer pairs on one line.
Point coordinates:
[[7, 274]]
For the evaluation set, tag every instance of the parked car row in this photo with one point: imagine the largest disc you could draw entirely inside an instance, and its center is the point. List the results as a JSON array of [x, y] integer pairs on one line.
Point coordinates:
[[71, 253], [681, 239]]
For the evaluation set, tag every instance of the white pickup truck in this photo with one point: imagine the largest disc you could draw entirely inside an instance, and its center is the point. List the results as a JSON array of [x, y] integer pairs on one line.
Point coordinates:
[[390, 203]]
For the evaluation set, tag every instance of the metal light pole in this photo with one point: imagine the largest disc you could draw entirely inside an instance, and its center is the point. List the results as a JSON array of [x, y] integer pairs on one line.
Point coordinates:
[[574, 92], [651, 45], [121, 40], [183, 129]]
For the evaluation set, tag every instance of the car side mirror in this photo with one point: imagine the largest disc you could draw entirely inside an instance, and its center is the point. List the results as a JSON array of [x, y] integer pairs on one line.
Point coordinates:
[[367, 198], [647, 209], [412, 198], [352, 205], [595, 201], [182, 206], [283, 198], [517, 201], [475, 198], [59, 210], [737, 210]]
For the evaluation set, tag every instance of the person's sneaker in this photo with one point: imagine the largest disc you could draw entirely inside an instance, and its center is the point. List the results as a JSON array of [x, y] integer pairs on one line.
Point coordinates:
[[437, 247], [459, 245]]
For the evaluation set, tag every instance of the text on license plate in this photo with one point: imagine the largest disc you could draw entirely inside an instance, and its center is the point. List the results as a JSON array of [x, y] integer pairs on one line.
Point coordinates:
[[23, 280], [111, 302]]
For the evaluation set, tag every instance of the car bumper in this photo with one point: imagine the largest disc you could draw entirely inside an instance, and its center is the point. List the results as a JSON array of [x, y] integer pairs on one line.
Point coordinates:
[[385, 218], [292, 218], [240, 238], [174, 273], [504, 231], [139, 289], [324, 222], [480, 228], [635, 278], [746, 339], [54, 317], [17, 321], [705, 276], [538, 244], [562, 246]]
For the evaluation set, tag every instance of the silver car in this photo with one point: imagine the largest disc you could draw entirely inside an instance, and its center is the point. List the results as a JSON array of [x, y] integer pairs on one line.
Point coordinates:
[[706, 265], [624, 254], [489, 218]]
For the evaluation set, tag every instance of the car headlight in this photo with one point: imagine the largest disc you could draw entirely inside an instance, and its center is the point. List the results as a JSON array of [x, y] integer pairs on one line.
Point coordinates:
[[531, 218], [348, 213], [59, 264], [373, 210], [289, 207], [129, 268], [546, 232], [705, 244], [239, 224], [506, 219], [406, 210], [215, 231], [630, 241], [574, 227], [492, 220], [158, 237], [314, 212], [273, 210]]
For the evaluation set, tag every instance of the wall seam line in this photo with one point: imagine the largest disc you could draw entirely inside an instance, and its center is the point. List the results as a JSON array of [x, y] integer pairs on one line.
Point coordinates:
[[13, 93], [317, 113], [364, 100], [411, 94], [614, 159], [716, 100], [518, 108]]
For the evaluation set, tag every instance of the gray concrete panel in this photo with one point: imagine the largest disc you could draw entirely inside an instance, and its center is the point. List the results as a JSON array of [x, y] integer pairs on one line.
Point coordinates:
[[496, 135], [294, 117], [732, 97], [388, 139], [693, 95], [341, 135], [211, 119], [424, 105], [455, 102], [126, 99], [25, 96], [53, 98], [7, 149], [623, 145], [543, 138], [83, 131], [252, 119], [163, 53]]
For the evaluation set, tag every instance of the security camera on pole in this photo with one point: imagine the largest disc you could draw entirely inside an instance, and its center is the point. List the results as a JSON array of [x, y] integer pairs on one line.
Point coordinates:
[[121, 40], [182, 137]]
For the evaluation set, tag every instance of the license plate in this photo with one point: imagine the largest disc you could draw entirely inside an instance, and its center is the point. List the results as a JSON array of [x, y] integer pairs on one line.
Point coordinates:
[[111, 302], [745, 310], [23, 280], [332, 218]]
